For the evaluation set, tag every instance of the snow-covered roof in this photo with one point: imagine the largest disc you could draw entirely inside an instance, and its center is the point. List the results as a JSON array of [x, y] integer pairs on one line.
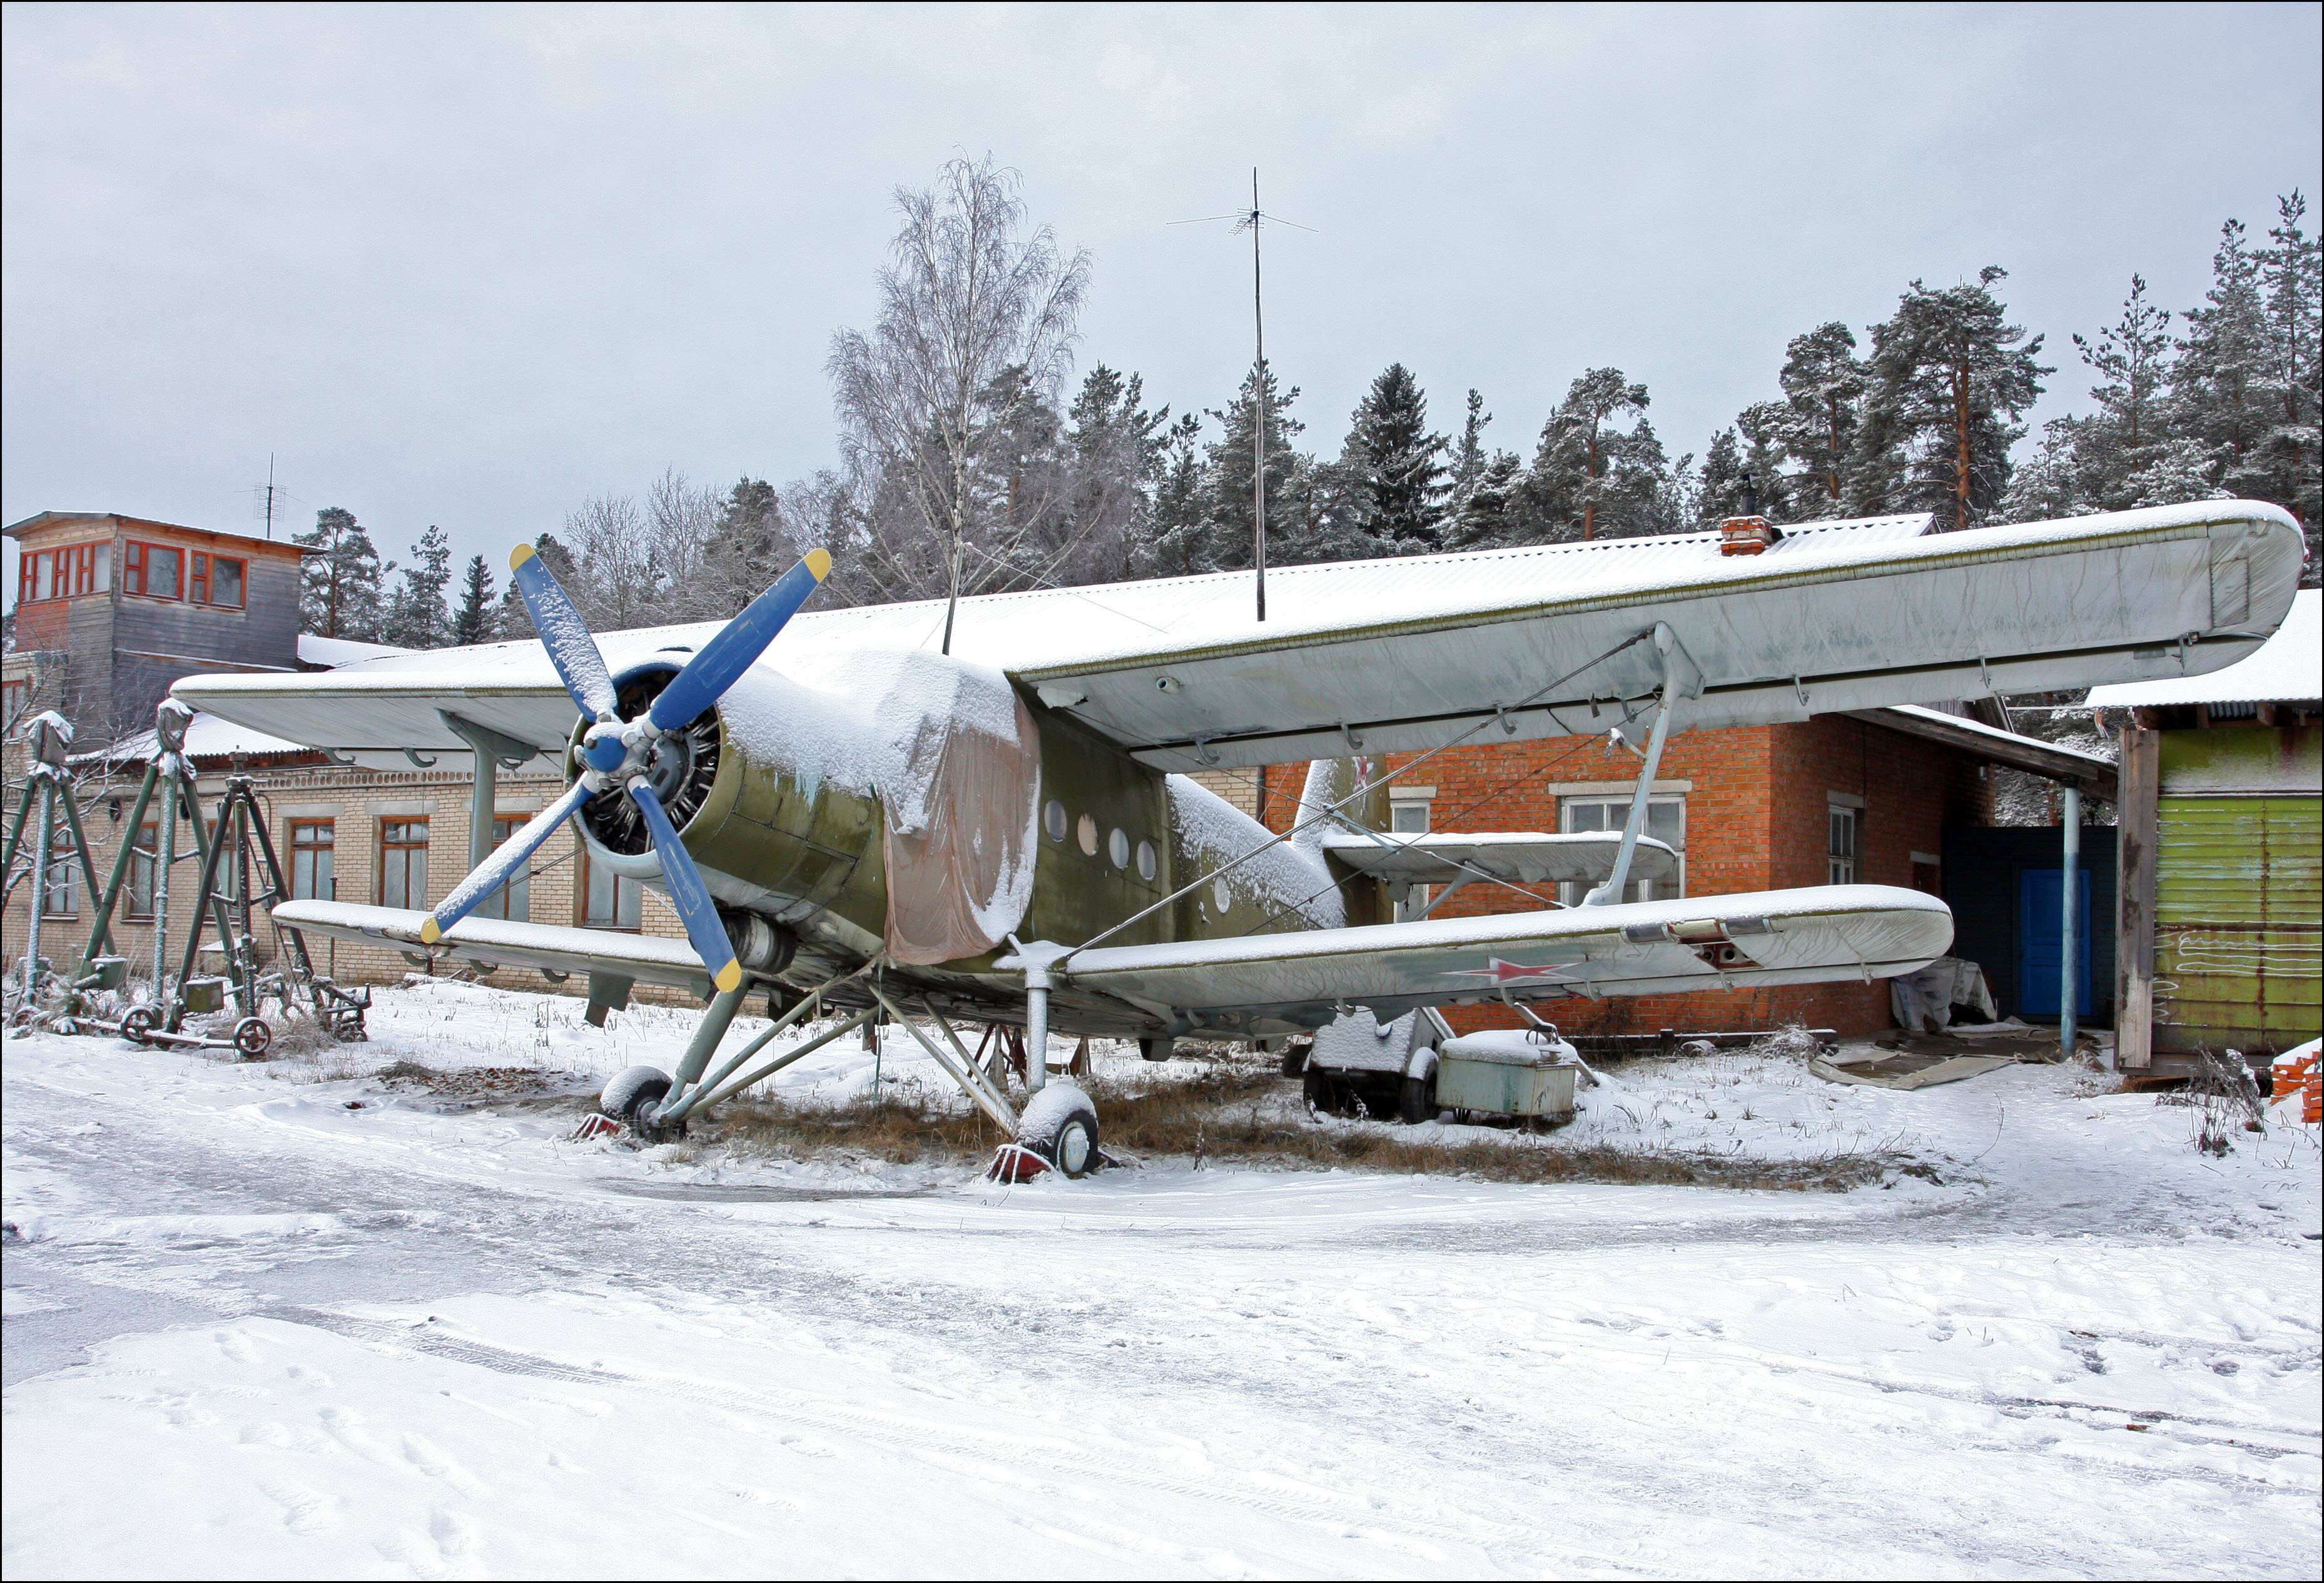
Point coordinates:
[[2288, 665], [333, 652], [207, 737]]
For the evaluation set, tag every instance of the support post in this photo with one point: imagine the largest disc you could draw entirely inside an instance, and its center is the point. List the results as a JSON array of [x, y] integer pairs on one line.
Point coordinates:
[[2138, 814], [39, 898], [715, 1020], [1619, 881], [1037, 1030], [491, 751], [121, 861], [2070, 957]]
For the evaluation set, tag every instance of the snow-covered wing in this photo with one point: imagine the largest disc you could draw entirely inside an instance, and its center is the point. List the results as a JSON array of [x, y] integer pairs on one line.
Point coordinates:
[[1392, 655], [1823, 935], [1525, 858], [495, 942], [1403, 654]]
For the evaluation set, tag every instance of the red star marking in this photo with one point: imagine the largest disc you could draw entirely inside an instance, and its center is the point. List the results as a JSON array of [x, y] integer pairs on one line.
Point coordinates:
[[1501, 972]]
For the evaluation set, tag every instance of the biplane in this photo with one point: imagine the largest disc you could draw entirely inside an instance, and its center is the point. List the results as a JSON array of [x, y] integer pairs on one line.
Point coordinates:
[[852, 819]]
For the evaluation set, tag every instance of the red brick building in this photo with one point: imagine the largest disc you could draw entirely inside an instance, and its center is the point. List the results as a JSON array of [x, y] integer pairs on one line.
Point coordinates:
[[1839, 798]]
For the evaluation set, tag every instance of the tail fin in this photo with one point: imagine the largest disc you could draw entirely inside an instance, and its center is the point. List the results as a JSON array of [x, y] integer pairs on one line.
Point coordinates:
[[1346, 784]]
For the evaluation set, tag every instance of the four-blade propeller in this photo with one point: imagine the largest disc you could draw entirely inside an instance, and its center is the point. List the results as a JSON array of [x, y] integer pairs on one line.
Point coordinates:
[[615, 752]]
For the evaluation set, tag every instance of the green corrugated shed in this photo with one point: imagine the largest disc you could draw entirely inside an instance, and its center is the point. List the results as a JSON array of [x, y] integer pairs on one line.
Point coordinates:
[[2239, 889]]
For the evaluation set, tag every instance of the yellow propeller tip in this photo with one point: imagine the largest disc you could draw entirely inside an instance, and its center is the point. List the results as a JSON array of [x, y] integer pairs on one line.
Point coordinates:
[[819, 561], [519, 555], [430, 934], [730, 977]]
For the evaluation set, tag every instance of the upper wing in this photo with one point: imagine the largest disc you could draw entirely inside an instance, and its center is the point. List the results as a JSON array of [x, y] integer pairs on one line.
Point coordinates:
[[1406, 654], [1825, 935], [1525, 858]]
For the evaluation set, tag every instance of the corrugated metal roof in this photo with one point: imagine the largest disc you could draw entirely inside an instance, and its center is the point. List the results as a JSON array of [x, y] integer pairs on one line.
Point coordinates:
[[2288, 665]]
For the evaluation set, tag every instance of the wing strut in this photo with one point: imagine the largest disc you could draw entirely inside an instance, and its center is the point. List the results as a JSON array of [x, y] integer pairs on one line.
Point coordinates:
[[1681, 679]]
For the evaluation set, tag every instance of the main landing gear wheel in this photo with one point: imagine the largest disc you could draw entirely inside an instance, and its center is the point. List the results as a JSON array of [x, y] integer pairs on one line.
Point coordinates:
[[631, 1098], [1060, 1126]]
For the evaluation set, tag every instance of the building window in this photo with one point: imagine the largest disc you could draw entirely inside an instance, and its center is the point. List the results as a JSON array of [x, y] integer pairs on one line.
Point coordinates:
[[613, 901], [1665, 823], [226, 582], [514, 899], [62, 899], [154, 570], [59, 574], [1843, 844], [15, 702], [139, 892], [1408, 818], [403, 863], [313, 843]]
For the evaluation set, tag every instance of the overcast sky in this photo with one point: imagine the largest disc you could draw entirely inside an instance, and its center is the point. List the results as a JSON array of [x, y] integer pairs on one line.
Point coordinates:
[[471, 266]]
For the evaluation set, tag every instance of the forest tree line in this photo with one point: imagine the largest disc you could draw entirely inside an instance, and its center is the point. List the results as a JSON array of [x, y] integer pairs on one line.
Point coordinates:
[[968, 460]]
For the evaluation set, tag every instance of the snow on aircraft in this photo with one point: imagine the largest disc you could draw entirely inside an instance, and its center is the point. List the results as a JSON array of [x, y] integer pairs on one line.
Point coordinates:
[[855, 823]]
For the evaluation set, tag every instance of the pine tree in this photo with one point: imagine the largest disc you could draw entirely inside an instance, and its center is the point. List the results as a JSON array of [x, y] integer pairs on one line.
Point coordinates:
[[415, 615], [1469, 458], [1824, 385], [2132, 359], [1488, 515], [2292, 454], [473, 622], [1722, 488], [1590, 478], [1397, 467], [1227, 475], [1950, 376], [745, 549], [2220, 379], [338, 592], [1116, 449], [1173, 543]]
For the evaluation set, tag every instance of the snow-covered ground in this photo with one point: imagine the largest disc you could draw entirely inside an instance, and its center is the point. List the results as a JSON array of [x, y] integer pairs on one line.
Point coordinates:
[[251, 1332]]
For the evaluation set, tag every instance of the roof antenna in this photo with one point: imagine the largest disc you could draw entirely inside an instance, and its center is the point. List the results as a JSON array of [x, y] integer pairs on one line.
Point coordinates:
[[1249, 220], [262, 496]]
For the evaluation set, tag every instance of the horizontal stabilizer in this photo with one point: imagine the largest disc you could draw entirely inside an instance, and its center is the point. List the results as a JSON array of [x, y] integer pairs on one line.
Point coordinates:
[[1525, 858]]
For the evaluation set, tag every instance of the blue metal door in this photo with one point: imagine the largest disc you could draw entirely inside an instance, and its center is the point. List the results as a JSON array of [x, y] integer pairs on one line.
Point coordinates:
[[2040, 933]]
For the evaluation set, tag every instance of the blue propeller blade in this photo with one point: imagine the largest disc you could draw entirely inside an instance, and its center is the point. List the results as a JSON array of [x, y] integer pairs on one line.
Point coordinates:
[[562, 634], [687, 891], [496, 870], [725, 658]]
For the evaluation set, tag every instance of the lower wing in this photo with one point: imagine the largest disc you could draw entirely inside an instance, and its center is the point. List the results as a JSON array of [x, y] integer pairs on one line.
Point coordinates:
[[494, 943], [1825, 935]]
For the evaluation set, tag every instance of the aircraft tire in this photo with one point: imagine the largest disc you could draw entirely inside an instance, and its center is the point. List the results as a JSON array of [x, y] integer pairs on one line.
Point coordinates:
[[631, 1094], [1060, 1126]]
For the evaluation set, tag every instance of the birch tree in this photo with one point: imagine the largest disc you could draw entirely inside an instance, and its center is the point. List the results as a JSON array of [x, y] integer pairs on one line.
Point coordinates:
[[976, 320]]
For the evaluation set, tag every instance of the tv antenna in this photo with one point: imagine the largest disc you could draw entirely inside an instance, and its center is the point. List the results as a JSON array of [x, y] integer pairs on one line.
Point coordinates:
[[262, 497], [1249, 220]]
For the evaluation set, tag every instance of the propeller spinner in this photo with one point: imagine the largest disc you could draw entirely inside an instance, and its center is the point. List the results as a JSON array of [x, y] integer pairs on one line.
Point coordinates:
[[615, 752]]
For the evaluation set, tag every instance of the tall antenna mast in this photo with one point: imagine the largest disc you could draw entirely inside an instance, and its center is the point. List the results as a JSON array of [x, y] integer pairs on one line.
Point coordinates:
[[1249, 220], [1259, 418], [270, 494]]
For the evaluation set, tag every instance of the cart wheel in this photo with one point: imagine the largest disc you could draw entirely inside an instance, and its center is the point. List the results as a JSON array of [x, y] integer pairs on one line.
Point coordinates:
[[1415, 1101], [253, 1038], [137, 1023]]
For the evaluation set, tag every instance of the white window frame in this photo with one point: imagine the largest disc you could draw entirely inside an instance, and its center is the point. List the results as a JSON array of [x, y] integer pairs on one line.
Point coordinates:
[[1617, 814], [1843, 839]]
